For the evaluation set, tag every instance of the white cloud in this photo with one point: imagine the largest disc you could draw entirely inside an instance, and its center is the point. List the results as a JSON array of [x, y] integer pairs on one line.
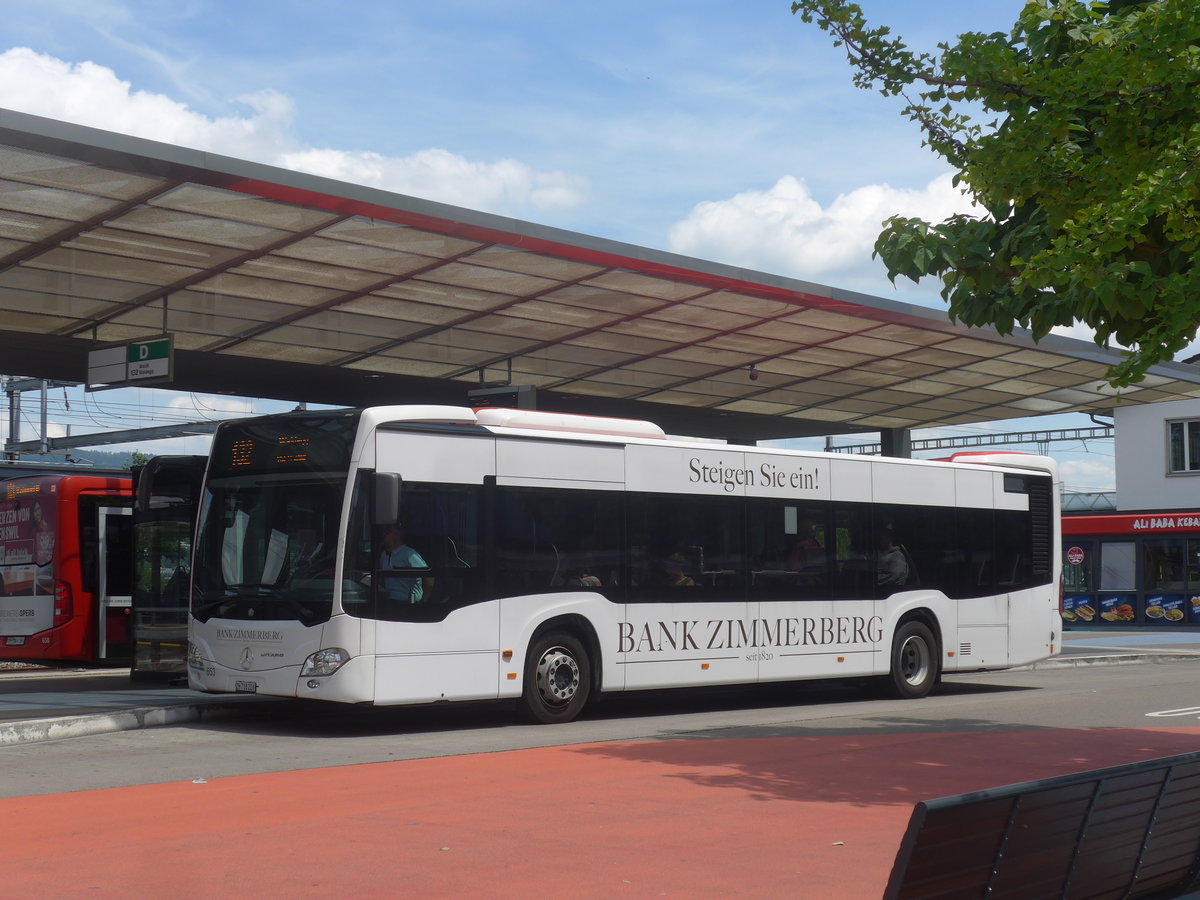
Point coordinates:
[[90, 94], [1094, 474], [784, 229], [440, 175]]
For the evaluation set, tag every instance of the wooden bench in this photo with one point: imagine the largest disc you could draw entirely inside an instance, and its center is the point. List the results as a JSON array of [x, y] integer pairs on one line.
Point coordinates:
[[1125, 831]]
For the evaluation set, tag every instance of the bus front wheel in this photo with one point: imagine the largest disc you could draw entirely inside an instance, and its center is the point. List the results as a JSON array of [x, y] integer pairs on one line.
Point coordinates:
[[558, 678], [914, 668]]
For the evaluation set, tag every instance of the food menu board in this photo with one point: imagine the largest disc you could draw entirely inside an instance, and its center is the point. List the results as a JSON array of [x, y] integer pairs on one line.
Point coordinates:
[[1079, 608], [1166, 608], [1116, 608]]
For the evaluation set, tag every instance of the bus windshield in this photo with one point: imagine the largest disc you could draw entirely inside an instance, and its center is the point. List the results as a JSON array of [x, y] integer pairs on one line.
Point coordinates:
[[268, 528]]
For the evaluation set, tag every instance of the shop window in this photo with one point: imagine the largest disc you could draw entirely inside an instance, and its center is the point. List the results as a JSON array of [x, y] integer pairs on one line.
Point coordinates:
[[1184, 444], [1193, 565], [1118, 565], [1164, 565]]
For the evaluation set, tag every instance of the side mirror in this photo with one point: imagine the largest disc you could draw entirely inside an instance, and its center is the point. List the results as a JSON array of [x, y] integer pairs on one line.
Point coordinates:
[[141, 490], [387, 497]]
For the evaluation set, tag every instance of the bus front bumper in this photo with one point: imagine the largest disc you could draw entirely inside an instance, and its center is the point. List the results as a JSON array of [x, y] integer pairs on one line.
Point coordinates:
[[354, 682]]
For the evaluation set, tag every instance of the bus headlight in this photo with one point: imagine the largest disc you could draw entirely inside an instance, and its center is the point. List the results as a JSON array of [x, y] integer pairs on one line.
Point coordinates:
[[325, 662], [194, 659]]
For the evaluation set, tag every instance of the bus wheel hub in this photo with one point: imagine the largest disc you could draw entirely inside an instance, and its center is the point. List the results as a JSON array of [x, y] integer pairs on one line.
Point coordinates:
[[558, 676]]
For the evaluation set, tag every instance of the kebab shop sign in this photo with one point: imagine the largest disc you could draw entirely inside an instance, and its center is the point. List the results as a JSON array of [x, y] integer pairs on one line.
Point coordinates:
[[1190, 522]]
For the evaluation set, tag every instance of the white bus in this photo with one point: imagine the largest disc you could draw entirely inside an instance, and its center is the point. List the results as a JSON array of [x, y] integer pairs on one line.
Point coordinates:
[[417, 554]]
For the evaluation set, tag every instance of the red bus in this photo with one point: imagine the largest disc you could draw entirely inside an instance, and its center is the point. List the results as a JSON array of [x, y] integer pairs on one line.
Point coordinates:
[[66, 563]]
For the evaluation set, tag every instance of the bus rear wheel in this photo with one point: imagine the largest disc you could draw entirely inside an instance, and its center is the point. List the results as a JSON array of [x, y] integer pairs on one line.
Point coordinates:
[[558, 679], [914, 663]]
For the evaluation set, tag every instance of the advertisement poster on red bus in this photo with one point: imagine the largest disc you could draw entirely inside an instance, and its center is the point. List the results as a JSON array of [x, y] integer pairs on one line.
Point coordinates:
[[27, 526]]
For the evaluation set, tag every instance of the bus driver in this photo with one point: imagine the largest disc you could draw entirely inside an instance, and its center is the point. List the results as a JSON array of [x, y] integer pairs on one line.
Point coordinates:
[[398, 555]]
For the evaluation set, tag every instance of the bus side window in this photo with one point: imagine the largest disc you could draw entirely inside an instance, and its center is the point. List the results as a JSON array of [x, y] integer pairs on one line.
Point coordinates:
[[1014, 540], [430, 560], [854, 553], [697, 542], [550, 539]]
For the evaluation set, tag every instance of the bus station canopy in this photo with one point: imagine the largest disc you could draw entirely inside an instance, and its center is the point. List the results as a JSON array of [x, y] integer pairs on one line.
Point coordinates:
[[279, 284]]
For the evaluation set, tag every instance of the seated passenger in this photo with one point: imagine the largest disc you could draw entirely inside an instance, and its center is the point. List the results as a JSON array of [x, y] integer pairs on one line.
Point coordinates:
[[673, 571], [892, 565], [580, 578]]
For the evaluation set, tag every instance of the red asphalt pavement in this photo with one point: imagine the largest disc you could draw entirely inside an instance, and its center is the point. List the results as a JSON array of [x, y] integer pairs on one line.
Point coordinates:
[[765, 817]]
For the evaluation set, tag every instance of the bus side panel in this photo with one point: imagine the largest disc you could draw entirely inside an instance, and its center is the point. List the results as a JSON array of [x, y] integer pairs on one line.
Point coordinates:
[[668, 645], [424, 662], [977, 647], [435, 458], [1031, 625], [521, 617], [818, 639]]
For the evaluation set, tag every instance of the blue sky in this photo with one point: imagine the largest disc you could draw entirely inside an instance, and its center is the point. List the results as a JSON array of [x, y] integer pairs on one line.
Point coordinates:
[[726, 131]]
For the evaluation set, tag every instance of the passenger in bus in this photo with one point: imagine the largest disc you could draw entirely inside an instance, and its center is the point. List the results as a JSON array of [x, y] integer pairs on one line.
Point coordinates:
[[806, 550], [581, 578], [674, 572], [806, 557], [892, 565], [398, 555]]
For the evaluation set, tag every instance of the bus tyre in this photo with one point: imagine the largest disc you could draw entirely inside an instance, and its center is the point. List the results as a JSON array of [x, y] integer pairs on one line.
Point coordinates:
[[914, 669], [558, 678]]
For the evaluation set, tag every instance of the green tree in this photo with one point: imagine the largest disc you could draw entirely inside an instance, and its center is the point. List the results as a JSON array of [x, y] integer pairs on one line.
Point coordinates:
[[137, 458], [1078, 137]]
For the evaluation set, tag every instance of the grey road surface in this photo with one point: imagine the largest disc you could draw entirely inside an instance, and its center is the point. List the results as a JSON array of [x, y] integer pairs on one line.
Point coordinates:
[[298, 735]]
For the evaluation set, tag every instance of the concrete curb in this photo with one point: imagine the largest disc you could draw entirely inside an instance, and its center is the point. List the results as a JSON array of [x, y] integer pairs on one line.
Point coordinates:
[[1106, 659], [28, 731]]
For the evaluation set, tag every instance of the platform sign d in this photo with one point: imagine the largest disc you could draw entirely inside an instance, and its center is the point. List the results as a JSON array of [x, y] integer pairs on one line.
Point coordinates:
[[149, 359], [121, 365]]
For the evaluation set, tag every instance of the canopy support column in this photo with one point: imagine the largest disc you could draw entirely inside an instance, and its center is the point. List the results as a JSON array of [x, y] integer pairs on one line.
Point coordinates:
[[896, 442]]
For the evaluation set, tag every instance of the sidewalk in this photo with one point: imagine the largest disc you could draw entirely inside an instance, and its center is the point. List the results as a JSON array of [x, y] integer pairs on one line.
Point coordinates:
[[51, 704], [1105, 646]]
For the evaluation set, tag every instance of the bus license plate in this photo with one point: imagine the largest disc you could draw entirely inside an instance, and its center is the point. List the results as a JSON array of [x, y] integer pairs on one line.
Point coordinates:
[[246, 687], [15, 641]]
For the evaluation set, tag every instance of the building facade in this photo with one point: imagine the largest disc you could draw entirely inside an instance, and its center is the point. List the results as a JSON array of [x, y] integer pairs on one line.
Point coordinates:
[[1140, 564]]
